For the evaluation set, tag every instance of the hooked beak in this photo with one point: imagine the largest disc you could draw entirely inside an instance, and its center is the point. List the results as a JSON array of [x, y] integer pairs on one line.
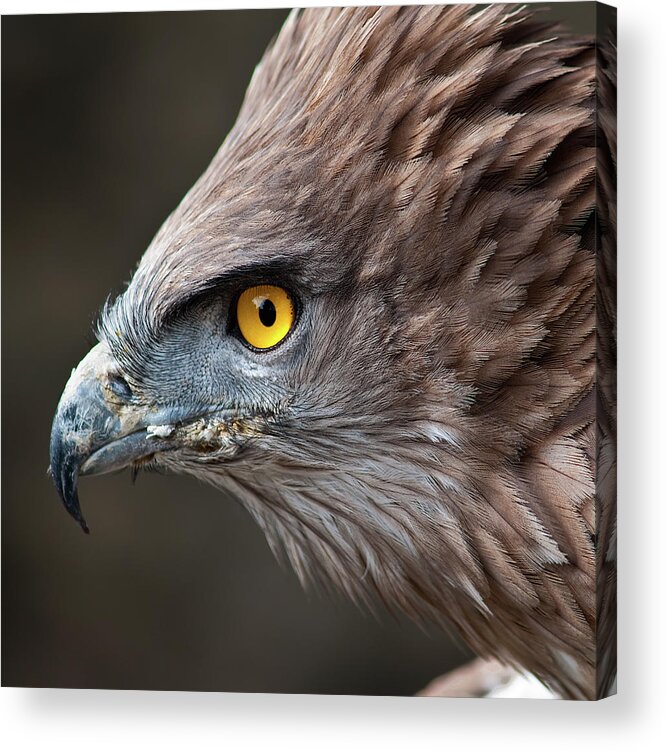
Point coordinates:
[[97, 427]]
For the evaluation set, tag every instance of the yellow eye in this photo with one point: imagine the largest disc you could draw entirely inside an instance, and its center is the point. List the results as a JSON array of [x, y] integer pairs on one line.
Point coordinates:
[[265, 315]]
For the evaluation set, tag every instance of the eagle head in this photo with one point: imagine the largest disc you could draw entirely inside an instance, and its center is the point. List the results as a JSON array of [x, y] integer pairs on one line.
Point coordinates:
[[371, 321]]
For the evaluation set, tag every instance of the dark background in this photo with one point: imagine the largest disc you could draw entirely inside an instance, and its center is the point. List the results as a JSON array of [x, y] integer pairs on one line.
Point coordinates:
[[107, 121]]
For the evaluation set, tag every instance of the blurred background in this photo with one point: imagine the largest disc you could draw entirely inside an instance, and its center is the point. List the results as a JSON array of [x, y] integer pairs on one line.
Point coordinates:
[[107, 121]]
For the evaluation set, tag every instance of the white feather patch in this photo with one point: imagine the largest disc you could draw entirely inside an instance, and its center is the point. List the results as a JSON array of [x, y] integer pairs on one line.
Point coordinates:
[[160, 430]]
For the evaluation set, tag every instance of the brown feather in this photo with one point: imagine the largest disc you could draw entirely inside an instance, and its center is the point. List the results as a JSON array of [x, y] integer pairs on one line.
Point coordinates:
[[447, 165]]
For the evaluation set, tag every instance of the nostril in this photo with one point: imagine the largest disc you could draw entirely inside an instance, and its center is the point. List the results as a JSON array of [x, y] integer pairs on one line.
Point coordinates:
[[120, 388]]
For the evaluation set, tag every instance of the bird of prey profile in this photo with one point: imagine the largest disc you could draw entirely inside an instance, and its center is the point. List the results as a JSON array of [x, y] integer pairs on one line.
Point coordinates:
[[382, 320]]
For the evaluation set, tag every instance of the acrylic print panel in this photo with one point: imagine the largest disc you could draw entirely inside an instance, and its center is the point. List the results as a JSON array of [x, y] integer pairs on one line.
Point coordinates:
[[379, 329]]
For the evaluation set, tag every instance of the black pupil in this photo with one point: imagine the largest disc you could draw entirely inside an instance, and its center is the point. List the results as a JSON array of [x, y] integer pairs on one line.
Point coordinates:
[[267, 313]]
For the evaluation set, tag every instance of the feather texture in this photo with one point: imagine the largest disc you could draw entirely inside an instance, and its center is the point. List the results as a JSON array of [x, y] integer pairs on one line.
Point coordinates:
[[440, 183]]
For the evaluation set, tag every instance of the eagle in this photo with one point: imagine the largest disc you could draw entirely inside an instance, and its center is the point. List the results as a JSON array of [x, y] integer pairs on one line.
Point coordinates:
[[383, 320]]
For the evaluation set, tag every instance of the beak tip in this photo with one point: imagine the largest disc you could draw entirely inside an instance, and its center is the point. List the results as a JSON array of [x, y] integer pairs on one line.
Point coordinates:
[[74, 509], [64, 473]]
